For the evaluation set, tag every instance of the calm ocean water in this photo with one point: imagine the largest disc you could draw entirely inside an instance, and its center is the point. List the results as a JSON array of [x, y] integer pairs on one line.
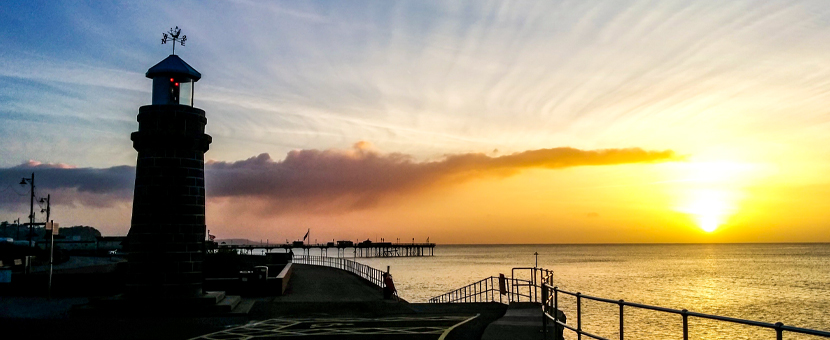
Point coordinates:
[[789, 283]]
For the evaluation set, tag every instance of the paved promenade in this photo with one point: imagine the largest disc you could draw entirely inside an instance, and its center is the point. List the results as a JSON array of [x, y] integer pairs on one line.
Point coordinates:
[[523, 320], [321, 303], [326, 303]]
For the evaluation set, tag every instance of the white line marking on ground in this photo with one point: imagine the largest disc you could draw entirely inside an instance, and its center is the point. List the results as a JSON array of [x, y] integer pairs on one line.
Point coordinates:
[[443, 336]]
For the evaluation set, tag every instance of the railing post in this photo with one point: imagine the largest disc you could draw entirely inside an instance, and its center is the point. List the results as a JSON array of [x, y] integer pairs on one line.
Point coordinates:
[[556, 307], [535, 284], [779, 330], [492, 290], [544, 310], [685, 315], [622, 323], [578, 315]]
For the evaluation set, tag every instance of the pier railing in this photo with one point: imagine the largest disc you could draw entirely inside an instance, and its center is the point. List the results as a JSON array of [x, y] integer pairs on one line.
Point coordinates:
[[375, 276], [502, 289], [362, 249], [538, 287], [550, 306]]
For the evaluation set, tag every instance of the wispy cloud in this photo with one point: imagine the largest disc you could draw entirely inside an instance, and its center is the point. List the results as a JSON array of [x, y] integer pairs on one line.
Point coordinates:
[[433, 78]]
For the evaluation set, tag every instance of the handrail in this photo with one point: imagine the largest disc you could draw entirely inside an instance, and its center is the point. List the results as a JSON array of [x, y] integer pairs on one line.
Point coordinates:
[[552, 304], [375, 276], [541, 289], [486, 290]]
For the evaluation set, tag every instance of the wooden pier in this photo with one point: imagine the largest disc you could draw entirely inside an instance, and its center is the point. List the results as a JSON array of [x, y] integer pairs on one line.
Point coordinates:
[[344, 249]]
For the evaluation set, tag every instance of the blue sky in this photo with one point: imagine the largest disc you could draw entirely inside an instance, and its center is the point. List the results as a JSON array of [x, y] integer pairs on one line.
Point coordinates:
[[742, 81], [421, 78]]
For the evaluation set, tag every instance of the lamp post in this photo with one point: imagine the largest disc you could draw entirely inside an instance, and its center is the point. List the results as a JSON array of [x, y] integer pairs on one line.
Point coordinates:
[[48, 212], [31, 182], [52, 228], [536, 254]]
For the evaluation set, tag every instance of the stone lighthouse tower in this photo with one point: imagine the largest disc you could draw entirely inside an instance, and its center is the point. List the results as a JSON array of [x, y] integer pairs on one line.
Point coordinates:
[[167, 233]]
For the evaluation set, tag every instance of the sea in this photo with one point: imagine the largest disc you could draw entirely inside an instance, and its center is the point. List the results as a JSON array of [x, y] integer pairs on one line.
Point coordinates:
[[788, 283]]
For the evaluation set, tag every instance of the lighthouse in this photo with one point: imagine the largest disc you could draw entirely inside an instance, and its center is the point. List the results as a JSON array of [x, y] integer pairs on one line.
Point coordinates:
[[167, 231]]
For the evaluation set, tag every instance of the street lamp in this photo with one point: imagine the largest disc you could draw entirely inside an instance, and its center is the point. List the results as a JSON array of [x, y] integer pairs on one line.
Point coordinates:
[[48, 212], [31, 182]]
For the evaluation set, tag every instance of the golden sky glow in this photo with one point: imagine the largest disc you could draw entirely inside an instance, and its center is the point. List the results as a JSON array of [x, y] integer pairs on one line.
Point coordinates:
[[482, 122]]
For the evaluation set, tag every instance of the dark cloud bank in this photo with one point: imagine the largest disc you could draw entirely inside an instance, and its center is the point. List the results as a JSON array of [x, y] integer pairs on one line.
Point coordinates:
[[353, 178], [68, 185]]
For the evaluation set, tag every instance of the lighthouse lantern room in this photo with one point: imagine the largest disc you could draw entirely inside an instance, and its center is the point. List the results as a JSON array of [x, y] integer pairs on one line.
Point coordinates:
[[173, 81]]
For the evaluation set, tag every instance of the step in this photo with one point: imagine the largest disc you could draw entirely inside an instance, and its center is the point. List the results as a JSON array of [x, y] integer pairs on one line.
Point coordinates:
[[228, 304], [243, 308], [214, 296]]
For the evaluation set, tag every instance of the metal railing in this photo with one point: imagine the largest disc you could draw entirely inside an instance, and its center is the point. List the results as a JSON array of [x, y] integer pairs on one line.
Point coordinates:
[[500, 289], [375, 276], [538, 287], [550, 305]]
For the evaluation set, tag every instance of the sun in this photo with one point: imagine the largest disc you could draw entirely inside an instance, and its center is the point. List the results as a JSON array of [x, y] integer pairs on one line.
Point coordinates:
[[709, 207], [710, 192]]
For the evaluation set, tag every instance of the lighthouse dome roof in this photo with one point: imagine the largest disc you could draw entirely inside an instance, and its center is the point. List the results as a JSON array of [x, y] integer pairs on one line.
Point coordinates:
[[173, 65]]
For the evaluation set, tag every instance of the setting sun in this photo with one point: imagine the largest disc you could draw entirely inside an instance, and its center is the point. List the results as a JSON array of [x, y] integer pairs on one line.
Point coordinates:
[[709, 191], [710, 208]]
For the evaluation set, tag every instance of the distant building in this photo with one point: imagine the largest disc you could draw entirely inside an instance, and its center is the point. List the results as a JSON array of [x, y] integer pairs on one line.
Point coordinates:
[[105, 244], [101, 245], [73, 245]]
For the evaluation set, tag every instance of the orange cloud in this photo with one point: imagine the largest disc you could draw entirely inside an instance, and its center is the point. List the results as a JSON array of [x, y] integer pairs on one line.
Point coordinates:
[[316, 180], [360, 177]]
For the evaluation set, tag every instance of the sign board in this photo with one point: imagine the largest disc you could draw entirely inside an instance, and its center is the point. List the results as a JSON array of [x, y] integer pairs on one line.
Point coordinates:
[[502, 284], [53, 227]]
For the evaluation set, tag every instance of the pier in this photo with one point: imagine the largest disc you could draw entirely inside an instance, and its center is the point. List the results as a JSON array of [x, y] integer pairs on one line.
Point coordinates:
[[344, 248]]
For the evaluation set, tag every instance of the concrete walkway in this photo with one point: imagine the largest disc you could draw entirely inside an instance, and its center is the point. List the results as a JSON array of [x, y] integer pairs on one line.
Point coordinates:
[[523, 320], [321, 303], [322, 284], [328, 303]]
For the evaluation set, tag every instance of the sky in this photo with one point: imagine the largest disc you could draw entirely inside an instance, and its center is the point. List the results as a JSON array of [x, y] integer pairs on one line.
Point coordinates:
[[465, 122]]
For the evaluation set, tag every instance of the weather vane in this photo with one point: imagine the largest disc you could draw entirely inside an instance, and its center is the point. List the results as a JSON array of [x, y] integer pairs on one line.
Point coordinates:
[[173, 34]]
